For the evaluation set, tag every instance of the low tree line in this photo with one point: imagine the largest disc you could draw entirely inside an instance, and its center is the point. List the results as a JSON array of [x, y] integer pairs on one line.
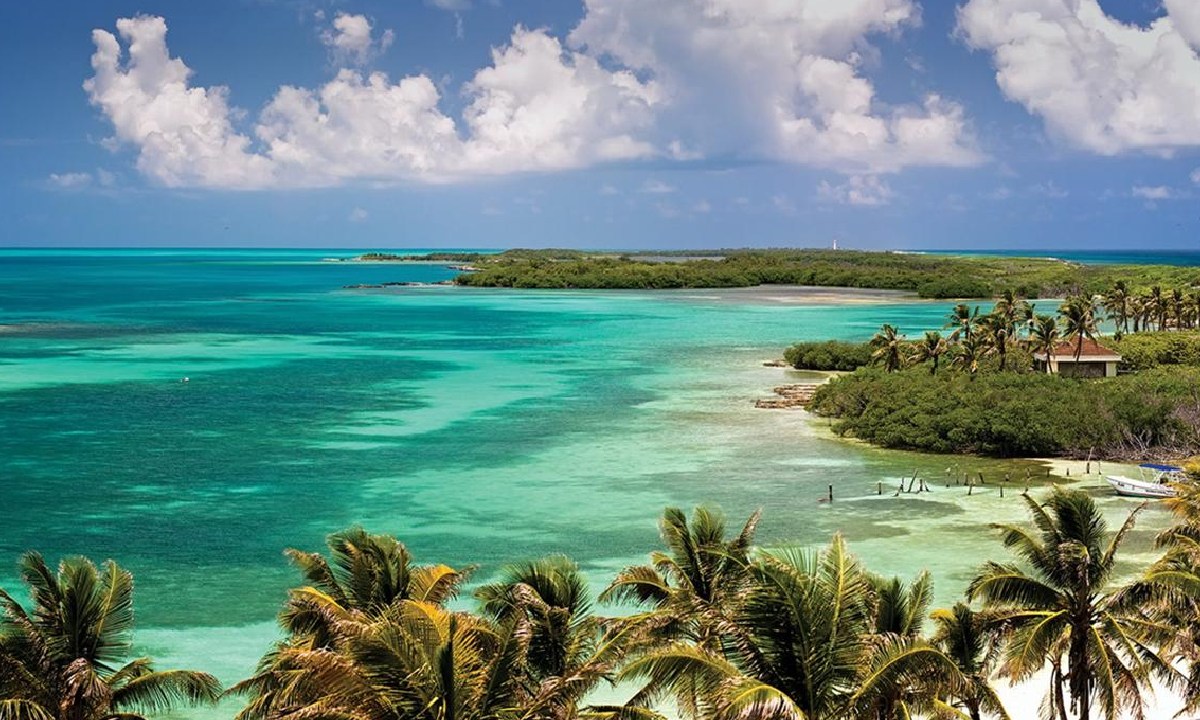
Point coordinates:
[[928, 275], [719, 629]]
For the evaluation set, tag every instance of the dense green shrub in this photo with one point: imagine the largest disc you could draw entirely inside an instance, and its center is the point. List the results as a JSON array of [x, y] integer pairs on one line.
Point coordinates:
[[828, 355], [932, 276], [1016, 414], [1150, 349]]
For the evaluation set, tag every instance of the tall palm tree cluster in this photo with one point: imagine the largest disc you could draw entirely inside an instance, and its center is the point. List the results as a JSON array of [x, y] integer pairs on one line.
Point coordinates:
[[1156, 309], [713, 629], [1012, 324]]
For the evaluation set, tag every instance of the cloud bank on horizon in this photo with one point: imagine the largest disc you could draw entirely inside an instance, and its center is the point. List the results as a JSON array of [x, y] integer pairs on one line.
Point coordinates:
[[670, 81]]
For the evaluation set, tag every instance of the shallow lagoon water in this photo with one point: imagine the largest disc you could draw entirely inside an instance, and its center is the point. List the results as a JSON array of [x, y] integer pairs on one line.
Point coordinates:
[[479, 426]]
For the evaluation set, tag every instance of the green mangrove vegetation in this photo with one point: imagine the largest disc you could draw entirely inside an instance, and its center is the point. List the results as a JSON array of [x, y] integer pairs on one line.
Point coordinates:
[[930, 276], [712, 627], [984, 388], [829, 355]]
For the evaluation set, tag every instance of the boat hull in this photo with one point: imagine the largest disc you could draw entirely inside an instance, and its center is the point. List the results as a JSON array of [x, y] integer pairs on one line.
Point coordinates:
[[1139, 488]]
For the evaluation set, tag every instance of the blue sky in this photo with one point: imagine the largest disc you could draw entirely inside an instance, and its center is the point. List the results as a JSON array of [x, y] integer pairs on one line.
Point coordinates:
[[1038, 124]]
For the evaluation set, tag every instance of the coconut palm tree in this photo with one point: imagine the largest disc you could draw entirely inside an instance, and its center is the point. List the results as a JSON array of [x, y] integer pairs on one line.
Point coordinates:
[[1117, 305], [1078, 318], [567, 654], [996, 332], [1012, 310], [967, 354], [803, 646], [965, 636], [1061, 609], [1044, 337], [931, 348], [1176, 307], [899, 612], [962, 320], [1179, 571], [689, 590], [1137, 312], [419, 661], [366, 580], [889, 348], [67, 658], [1158, 306], [364, 575]]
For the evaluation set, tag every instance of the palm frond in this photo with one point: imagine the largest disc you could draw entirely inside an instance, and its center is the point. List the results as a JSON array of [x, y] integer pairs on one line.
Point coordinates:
[[157, 692]]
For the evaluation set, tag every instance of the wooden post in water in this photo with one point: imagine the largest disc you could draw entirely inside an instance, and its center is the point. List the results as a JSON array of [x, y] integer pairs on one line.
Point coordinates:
[[880, 491], [970, 488], [830, 493]]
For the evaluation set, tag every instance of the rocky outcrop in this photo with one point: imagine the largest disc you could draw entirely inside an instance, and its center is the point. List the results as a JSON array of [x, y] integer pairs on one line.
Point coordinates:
[[797, 395]]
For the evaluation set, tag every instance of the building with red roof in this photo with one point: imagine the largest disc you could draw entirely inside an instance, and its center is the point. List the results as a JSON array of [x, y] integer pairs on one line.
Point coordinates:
[[1093, 360]]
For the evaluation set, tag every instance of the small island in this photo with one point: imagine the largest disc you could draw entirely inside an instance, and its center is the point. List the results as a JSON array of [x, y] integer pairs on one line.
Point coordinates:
[[1014, 383], [934, 276]]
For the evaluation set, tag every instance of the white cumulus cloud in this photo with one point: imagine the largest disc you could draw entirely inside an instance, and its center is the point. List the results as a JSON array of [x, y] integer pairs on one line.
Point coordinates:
[[779, 80], [351, 39], [1098, 84], [538, 107], [679, 80], [863, 190]]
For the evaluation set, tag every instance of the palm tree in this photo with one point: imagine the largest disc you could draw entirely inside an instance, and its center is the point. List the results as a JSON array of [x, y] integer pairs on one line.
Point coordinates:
[[964, 635], [368, 575], [962, 320], [1117, 305], [1060, 609], [420, 661], [1012, 310], [567, 654], [366, 580], [1179, 570], [689, 590], [932, 347], [889, 348], [802, 645], [1157, 305], [1177, 308], [996, 333], [968, 353], [63, 660], [1078, 318], [1137, 312], [1044, 338]]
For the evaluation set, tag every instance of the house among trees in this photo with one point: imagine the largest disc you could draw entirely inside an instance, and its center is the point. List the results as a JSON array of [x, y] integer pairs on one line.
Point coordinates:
[[1094, 360]]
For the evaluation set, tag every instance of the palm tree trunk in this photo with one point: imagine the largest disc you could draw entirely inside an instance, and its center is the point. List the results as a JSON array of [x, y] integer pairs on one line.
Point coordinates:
[[1056, 688]]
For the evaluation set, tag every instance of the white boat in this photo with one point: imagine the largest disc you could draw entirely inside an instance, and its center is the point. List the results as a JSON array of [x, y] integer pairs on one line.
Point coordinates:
[[1155, 487]]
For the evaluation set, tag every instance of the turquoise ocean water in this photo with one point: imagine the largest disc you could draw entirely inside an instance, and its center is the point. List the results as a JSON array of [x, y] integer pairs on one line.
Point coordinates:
[[479, 426]]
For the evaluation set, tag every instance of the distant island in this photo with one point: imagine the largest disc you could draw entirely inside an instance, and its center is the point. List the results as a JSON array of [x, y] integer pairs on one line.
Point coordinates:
[[933, 276]]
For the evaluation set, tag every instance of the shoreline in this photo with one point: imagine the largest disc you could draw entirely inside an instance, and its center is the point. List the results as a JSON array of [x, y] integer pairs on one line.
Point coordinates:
[[1067, 468]]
